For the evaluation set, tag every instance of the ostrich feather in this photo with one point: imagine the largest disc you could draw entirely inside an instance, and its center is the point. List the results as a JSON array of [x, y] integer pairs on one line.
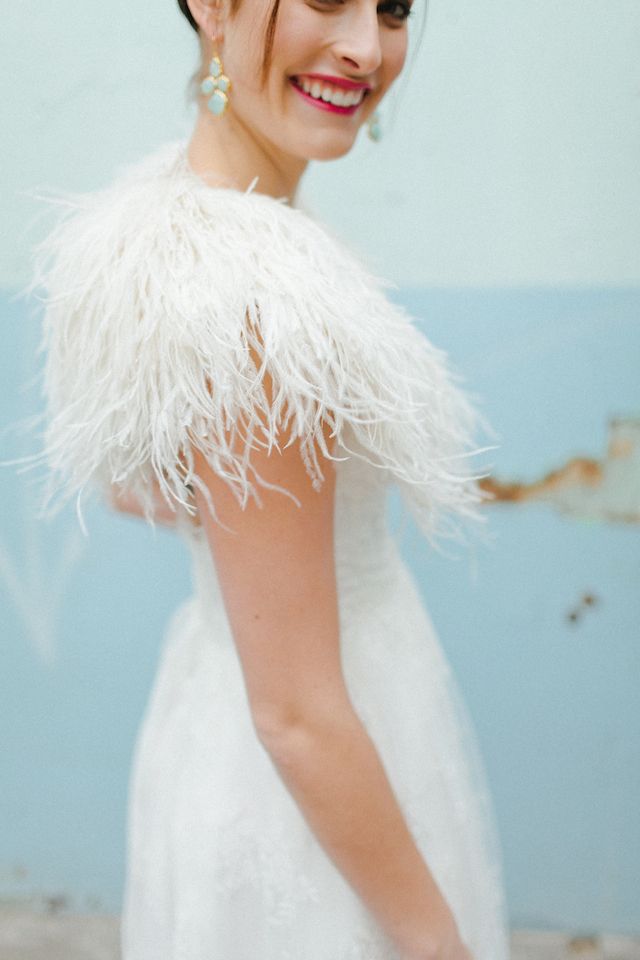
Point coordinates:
[[158, 288]]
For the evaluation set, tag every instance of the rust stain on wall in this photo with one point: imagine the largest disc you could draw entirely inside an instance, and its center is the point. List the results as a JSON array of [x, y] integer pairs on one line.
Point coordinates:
[[578, 471], [585, 945], [587, 601], [607, 489]]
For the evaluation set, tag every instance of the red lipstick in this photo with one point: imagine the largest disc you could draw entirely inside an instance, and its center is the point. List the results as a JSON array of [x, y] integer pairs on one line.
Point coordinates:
[[335, 81]]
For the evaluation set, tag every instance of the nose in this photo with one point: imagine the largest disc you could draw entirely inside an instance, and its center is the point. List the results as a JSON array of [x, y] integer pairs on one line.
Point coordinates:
[[358, 47]]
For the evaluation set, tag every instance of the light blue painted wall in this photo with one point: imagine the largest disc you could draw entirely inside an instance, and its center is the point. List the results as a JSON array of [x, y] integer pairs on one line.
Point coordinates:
[[554, 703]]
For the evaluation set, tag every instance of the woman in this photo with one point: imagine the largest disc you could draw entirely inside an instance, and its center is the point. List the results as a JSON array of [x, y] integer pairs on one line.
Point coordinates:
[[305, 785]]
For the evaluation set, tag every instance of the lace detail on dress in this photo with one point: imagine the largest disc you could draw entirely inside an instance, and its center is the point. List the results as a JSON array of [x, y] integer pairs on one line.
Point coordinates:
[[250, 857], [370, 946]]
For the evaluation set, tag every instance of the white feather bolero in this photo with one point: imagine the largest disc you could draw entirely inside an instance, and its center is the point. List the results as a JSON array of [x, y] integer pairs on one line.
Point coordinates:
[[156, 287]]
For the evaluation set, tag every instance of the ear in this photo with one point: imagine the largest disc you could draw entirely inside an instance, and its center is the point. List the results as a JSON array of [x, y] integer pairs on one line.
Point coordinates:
[[208, 14]]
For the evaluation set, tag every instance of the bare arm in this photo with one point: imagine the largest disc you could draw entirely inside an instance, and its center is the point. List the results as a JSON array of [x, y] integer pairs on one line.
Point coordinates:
[[126, 502], [278, 581]]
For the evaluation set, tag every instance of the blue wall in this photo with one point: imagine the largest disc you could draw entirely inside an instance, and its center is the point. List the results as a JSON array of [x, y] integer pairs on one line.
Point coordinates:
[[554, 699]]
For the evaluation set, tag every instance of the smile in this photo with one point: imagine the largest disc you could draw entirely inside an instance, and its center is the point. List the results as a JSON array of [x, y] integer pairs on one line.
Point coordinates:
[[326, 96]]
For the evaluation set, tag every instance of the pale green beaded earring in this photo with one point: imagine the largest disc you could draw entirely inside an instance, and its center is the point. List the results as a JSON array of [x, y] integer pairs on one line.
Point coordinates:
[[216, 86], [374, 130]]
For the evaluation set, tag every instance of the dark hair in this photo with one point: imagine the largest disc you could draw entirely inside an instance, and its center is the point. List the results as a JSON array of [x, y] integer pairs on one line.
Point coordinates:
[[269, 32], [184, 7]]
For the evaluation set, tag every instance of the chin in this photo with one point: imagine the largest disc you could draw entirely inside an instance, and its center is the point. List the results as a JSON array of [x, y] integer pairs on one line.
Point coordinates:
[[328, 148]]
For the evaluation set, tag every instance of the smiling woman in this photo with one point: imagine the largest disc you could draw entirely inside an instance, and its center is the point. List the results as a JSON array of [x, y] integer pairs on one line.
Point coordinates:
[[306, 783], [270, 50]]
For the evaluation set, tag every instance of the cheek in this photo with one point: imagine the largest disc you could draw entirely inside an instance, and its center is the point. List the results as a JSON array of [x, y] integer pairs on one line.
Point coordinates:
[[297, 39], [395, 54]]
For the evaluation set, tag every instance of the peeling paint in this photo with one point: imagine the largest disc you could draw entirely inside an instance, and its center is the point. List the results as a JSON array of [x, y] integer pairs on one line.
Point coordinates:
[[587, 489]]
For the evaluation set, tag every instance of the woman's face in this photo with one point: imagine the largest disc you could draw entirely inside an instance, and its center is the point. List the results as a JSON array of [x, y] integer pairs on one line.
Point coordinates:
[[332, 62]]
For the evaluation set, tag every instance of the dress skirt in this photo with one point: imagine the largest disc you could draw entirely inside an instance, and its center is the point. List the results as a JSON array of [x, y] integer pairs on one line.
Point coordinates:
[[221, 863]]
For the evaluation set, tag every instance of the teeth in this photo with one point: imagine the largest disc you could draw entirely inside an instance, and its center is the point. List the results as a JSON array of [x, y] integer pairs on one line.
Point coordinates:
[[330, 94]]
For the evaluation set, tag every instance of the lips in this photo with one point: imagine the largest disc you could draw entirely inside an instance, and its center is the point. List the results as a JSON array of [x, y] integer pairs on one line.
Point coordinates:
[[334, 81], [331, 94]]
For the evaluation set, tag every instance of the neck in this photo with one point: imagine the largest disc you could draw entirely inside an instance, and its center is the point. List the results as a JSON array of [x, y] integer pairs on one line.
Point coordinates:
[[226, 153]]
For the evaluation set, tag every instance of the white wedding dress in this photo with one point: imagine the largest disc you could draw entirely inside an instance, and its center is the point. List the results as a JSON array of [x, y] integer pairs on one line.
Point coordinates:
[[155, 287]]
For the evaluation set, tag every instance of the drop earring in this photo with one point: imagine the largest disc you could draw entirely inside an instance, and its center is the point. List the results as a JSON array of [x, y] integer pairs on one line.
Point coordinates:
[[216, 86], [374, 130]]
